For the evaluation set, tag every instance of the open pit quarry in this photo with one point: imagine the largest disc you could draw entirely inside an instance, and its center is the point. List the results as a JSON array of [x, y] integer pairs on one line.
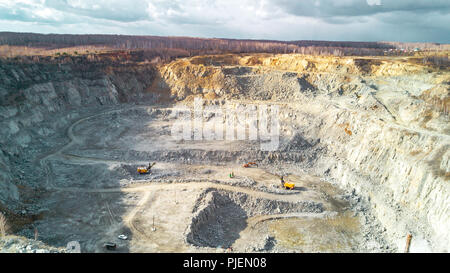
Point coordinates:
[[365, 140]]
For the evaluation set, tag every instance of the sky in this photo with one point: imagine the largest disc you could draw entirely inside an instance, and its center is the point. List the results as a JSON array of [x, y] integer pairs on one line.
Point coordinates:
[[337, 20]]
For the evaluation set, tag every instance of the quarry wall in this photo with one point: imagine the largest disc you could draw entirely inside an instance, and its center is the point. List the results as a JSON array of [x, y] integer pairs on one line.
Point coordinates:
[[383, 137]]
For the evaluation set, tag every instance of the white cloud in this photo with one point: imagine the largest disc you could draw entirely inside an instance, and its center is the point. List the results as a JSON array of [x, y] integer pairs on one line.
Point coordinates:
[[409, 20], [374, 2]]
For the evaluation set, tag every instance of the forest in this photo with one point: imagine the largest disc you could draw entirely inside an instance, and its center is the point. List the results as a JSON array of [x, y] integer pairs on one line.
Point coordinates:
[[160, 49]]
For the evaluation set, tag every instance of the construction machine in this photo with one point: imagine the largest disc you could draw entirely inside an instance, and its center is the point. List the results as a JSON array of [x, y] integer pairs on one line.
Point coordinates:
[[286, 185], [249, 164], [110, 246], [145, 170]]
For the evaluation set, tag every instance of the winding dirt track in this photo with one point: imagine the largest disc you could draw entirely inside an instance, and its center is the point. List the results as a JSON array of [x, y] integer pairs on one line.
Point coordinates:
[[143, 187], [147, 187], [128, 220]]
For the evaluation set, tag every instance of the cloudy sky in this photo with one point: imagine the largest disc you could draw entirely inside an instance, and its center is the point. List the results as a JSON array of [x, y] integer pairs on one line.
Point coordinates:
[[356, 20]]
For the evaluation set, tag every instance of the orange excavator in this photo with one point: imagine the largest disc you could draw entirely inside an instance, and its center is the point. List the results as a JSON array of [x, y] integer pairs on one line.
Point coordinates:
[[249, 164]]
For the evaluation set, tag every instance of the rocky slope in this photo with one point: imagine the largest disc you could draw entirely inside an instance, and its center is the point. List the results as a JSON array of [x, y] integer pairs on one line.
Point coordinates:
[[17, 244], [38, 101], [384, 124]]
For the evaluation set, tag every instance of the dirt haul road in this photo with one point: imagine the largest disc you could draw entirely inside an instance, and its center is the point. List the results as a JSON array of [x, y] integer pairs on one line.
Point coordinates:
[[308, 199]]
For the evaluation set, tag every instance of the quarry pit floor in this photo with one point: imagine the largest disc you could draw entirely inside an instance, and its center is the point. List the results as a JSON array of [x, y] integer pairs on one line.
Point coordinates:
[[188, 203]]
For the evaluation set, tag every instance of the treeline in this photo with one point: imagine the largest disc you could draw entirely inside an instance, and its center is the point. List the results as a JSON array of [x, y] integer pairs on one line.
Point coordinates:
[[97, 57], [421, 46], [189, 46]]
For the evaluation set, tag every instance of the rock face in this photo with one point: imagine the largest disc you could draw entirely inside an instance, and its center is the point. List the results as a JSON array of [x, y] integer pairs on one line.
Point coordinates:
[[404, 174], [208, 227], [383, 125], [38, 101]]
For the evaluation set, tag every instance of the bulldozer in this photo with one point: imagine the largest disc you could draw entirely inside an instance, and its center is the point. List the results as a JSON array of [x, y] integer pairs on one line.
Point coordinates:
[[146, 170], [286, 185], [249, 164]]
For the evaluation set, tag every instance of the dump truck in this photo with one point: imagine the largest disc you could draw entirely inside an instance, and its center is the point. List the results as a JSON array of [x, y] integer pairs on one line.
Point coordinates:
[[286, 185], [110, 246], [145, 170]]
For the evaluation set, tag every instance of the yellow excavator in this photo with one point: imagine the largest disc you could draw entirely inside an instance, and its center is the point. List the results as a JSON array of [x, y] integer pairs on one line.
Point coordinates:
[[146, 170], [286, 185]]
